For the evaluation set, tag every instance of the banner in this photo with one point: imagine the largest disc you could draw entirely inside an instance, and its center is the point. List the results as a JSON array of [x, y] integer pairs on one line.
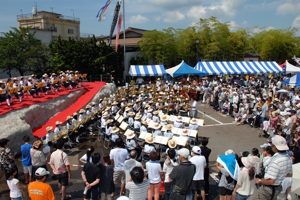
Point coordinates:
[[118, 31], [283, 70], [114, 23], [102, 11]]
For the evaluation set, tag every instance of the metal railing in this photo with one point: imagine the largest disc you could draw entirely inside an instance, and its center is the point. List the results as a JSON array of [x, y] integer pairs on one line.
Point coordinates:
[[30, 15]]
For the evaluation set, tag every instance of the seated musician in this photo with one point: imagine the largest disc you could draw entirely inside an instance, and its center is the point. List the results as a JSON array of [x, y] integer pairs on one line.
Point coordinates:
[[123, 102], [100, 104], [103, 121], [74, 120], [47, 85], [5, 95], [78, 79], [57, 131], [18, 94], [69, 128], [114, 135], [50, 134], [137, 123], [164, 120], [149, 113], [158, 105], [169, 133], [155, 117], [52, 79], [167, 102], [130, 118], [33, 76], [193, 124], [130, 142], [114, 107], [88, 110], [185, 134], [33, 89], [144, 126], [108, 127], [81, 115], [145, 101], [178, 123], [93, 109], [148, 146], [156, 131]]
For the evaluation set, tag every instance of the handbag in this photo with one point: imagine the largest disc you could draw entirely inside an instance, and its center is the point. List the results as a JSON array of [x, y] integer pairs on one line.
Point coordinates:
[[61, 170]]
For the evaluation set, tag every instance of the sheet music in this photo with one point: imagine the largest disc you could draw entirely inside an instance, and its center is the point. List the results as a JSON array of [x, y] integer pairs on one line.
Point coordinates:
[[172, 118], [193, 133], [157, 139], [148, 120], [117, 116], [151, 124], [144, 118], [145, 135], [161, 140], [201, 122], [180, 140], [160, 113], [176, 131], [163, 129], [120, 119], [186, 120], [124, 126]]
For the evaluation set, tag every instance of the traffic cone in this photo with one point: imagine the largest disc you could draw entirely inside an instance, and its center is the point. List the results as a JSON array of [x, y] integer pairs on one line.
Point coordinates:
[[162, 185]]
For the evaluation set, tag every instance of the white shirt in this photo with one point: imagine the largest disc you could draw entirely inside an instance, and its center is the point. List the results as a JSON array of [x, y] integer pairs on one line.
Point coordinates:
[[131, 144], [246, 186], [178, 124], [200, 163], [168, 169], [288, 123], [14, 189], [137, 124], [155, 119], [143, 129], [84, 158], [148, 148], [119, 155], [154, 169], [193, 127], [195, 105]]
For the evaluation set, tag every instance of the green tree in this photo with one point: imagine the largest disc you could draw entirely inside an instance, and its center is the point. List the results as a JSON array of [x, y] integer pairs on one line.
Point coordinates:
[[21, 51]]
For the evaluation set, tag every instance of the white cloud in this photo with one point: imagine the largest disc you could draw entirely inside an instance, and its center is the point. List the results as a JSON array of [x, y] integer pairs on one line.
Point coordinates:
[[233, 26], [139, 19], [174, 16], [169, 4], [158, 18], [289, 7], [223, 8], [245, 23], [257, 30], [296, 24]]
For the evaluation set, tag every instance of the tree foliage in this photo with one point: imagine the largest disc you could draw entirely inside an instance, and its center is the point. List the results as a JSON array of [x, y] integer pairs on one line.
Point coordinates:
[[217, 43], [21, 51]]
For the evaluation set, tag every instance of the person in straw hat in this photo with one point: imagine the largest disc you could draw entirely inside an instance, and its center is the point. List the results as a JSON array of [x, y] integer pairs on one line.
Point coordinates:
[[144, 126], [104, 119], [149, 112], [178, 123], [130, 142], [155, 117], [69, 128], [245, 186], [114, 135], [88, 110], [125, 114], [50, 134], [137, 123], [148, 146], [108, 127], [130, 118], [169, 133], [114, 107], [164, 120], [81, 115], [185, 134], [193, 124], [100, 105], [156, 131], [57, 128]]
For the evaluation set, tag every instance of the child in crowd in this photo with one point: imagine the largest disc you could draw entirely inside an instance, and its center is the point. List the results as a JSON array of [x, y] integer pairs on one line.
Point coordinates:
[[16, 189], [26, 158], [107, 187]]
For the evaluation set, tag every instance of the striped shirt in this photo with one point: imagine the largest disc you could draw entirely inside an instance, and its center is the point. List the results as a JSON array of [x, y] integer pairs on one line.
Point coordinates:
[[138, 191], [279, 167]]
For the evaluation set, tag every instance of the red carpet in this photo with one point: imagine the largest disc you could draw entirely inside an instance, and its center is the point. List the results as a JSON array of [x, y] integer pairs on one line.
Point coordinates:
[[28, 100], [92, 89]]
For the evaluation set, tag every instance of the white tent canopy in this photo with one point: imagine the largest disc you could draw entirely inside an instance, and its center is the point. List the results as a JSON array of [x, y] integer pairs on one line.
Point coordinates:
[[291, 68]]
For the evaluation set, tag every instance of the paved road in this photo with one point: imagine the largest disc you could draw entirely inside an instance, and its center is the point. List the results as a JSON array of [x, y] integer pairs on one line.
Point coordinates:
[[219, 128]]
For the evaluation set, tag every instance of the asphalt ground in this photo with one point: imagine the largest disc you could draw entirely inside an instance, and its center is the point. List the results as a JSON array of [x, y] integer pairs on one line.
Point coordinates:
[[220, 130]]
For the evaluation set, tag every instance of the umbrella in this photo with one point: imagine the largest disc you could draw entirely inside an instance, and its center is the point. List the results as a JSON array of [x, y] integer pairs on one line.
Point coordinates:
[[296, 179], [283, 91]]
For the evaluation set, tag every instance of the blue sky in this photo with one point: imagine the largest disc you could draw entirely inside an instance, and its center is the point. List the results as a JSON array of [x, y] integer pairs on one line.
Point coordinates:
[[160, 14]]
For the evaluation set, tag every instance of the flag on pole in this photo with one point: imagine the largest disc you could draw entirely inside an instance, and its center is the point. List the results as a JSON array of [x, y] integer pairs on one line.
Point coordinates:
[[115, 19], [102, 11], [118, 31]]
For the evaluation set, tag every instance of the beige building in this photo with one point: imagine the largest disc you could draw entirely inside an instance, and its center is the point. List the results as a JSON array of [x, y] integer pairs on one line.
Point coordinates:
[[58, 24]]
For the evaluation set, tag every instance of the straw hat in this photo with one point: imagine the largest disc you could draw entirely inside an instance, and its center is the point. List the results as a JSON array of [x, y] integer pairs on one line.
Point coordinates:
[[81, 111], [49, 128], [137, 117], [114, 129], [150, 140], [109, 121], [88, 107], [53, 74], [93, 103], [127, 109], [194, 121], [1, 82], [114, 103], [75, 114], [100, 100], [37, 143], [172, 143], [57, 123], [156, 126], [150, 110], [45, 75], [185, 132], [145, 123], [105, 115], [155, 112], [15, 79], [129, 104], [130, 135], [164, 118], [169, 127], [29, 79], [131, 114], [179, 119], [69, 117]]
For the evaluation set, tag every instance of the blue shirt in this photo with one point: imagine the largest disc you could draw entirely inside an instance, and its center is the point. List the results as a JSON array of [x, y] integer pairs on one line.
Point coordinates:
[[26, 158]]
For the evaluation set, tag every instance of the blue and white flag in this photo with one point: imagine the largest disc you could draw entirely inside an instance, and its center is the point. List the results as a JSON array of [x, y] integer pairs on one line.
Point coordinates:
[[230, 164]]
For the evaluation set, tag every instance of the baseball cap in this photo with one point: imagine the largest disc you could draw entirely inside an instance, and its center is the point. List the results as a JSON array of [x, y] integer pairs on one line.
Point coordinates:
[[41, 172], [280, 143], [196, 150], [293, 111], [184, 152], [265, 145]]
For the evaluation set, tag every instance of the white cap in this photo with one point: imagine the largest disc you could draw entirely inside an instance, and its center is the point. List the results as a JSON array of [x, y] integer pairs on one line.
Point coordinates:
[[184, 152], [280, 143], [228, 152], [196, 150], [41, 172]]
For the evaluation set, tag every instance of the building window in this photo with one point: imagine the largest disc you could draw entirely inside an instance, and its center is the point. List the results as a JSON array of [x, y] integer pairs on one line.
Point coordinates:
[[37, 27], [70, 31], [55, 29]]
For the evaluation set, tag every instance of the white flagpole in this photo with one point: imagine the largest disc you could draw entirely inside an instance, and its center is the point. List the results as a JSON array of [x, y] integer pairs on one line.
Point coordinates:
[[125, 70]]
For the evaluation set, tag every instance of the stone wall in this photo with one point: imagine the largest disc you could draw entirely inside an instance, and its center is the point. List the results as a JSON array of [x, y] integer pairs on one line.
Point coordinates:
[[16, 124]]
